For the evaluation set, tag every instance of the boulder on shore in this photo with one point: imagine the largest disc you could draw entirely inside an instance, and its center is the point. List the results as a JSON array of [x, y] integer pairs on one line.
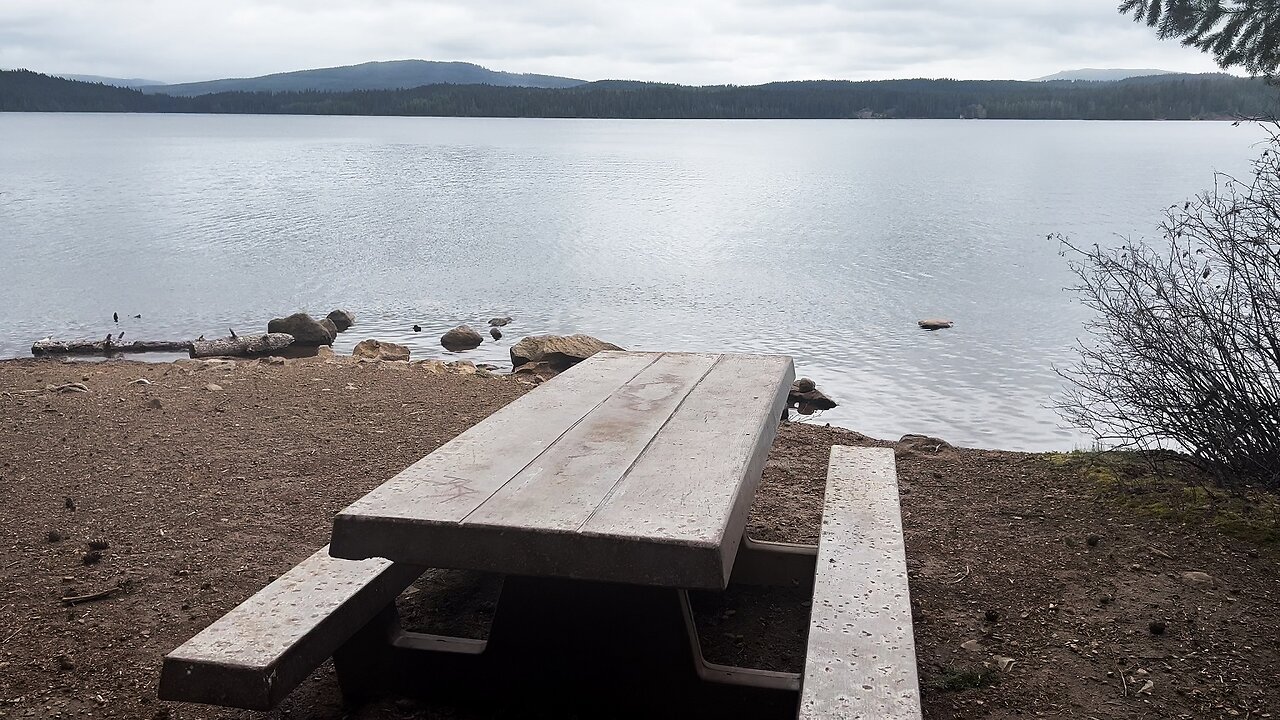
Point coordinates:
[[378, 350], [535, 372], [559, 352], [304, 329], [920, 446], [461, 338], [342, 319]]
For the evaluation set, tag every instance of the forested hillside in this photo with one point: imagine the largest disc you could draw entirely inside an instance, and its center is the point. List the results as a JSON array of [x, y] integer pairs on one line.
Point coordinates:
[[1167, 97]]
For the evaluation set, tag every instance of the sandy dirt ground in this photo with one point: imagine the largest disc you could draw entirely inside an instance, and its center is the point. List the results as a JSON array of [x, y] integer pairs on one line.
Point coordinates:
[[1042, 585]]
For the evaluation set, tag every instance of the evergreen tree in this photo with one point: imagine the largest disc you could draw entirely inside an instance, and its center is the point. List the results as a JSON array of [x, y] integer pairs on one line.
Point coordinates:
[[1243, 33]]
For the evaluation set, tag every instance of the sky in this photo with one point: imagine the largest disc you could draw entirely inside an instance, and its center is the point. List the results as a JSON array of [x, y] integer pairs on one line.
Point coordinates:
[[686, 41]]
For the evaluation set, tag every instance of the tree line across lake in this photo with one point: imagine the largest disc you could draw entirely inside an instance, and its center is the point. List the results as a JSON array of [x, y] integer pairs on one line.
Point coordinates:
[[1164, 97]]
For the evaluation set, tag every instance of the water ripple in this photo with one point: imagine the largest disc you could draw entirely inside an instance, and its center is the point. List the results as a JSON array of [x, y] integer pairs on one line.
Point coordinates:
[[823, 240]]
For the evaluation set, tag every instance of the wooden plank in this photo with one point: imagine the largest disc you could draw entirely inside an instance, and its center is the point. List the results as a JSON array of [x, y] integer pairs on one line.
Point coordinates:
[[861, 660], [453, 481], [562, 487], [695, 482], [254, 655]]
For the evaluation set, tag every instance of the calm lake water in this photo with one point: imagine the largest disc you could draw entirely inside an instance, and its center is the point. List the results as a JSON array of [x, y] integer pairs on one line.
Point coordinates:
[[825, 240]]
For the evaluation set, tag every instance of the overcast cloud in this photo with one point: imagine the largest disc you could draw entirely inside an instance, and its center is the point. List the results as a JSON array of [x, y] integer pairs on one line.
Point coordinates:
[[686, 41]]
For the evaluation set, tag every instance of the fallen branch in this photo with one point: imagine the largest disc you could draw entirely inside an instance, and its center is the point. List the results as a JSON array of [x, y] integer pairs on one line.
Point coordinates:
[[49, 346], [241, 345], [100, 595]]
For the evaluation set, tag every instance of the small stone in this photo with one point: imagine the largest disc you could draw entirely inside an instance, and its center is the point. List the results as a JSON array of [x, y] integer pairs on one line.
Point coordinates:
[[495, 333], [53, 536], [155, 404], [378, 350], [1004, 663], [805, 385], [1092, 540], [435, 367], [500, 321], [1198, 579], [972, 646], [462, 367], [274, 360], [213, 387], [934, 324]]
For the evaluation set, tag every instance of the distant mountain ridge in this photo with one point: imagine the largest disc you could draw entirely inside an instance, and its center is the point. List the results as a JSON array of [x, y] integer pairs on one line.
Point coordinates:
[[1102, 74], [390, 75], [113, 81]]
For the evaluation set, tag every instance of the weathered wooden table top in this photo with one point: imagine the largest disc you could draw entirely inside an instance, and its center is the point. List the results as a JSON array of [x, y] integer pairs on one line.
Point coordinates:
[[629, 467]]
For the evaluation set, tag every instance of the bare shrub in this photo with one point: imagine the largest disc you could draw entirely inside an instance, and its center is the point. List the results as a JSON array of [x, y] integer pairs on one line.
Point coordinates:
[[1185, 348]]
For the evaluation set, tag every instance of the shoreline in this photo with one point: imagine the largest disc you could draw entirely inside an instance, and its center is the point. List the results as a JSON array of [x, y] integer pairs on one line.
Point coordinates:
[[448, 359]]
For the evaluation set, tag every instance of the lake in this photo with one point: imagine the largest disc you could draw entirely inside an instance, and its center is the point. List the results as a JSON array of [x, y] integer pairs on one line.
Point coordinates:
[[825, 240]]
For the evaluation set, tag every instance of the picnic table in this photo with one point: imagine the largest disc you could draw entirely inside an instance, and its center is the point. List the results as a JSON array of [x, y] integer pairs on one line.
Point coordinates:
[[603, 497]]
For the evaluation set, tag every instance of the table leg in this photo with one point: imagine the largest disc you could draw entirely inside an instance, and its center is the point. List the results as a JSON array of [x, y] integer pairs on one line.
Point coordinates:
[[774, 563], [626, 649]]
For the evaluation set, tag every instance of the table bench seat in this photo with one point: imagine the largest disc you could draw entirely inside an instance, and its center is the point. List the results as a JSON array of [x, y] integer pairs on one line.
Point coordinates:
[[860, 661], [261, 650]]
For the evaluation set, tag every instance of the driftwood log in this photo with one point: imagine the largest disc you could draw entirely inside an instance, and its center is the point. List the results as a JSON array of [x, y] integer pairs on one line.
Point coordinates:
[[49, 346], [241, 345], [234, 346]]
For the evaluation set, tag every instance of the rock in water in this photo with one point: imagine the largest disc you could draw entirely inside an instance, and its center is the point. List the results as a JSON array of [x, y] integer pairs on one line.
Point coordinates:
[[807, 399], [304, 329], [495, 333], [499, 321], [330, 326], [461, 338], [560, 352], [934, 324], [377, 350], [342, 319]]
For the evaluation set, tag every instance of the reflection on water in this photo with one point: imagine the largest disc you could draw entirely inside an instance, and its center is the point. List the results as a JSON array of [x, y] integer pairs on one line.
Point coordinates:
[[823, 240]]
